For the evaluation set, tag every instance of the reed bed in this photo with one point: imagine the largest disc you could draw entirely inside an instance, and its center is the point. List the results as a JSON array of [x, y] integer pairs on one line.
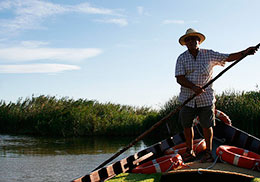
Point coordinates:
[[50, 116], [243, 108], [46, 115]]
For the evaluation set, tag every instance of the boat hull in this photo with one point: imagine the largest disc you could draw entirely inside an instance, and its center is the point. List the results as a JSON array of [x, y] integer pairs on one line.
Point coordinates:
[[223, 134]]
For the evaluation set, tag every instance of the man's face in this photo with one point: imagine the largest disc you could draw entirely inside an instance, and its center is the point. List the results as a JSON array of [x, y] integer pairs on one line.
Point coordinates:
[[192, 42]]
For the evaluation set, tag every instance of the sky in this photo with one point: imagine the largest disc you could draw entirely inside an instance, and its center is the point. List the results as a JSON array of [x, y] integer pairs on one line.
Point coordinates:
[[123, 52]]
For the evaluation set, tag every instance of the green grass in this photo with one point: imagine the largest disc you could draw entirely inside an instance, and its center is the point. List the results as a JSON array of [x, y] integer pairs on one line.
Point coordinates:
[[131, 177], [49, 116]]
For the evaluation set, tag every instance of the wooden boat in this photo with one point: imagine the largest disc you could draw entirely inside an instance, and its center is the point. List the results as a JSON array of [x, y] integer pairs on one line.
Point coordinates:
[[223, 134]]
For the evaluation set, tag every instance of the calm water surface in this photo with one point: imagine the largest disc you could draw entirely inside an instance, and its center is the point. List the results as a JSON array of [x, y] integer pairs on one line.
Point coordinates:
[[34, 159]]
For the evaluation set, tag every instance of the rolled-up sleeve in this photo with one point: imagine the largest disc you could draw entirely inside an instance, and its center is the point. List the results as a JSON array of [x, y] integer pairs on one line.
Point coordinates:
[[218, 58]]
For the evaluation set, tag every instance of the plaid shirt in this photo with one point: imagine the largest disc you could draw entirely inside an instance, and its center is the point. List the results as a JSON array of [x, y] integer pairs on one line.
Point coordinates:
[[198, 71]]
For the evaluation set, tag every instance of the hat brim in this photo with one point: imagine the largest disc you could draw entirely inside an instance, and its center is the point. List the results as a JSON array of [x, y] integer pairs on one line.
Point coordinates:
[[201, 36]]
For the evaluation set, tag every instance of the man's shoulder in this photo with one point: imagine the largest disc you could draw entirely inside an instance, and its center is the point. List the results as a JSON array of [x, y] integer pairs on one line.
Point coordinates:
[[206, 50], [185, 53]]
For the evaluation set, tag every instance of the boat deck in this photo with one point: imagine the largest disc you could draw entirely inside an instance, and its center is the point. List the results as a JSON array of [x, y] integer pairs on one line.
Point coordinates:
[[220, 168]]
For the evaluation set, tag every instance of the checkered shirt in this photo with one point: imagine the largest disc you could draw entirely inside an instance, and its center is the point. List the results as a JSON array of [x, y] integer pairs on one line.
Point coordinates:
[[198, 71]]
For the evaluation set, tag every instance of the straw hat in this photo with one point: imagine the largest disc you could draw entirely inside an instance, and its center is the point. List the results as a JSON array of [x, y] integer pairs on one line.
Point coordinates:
[[191, 32]]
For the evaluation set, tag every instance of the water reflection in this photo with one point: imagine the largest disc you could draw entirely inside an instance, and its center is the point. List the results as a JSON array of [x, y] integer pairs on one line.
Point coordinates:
[[24, 145], [31, 159]]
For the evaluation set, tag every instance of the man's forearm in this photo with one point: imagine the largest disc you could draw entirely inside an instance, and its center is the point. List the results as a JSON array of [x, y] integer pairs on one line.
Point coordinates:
[[238, 55], [188, 84], [184, 82], [235, 56]]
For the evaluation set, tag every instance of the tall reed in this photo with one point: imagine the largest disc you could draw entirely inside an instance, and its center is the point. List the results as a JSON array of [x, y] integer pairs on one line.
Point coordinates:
[[243, 108], [47, 115]]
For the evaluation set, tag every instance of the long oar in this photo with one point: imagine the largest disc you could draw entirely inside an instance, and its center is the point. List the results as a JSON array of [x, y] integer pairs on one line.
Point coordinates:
[[169, 115]]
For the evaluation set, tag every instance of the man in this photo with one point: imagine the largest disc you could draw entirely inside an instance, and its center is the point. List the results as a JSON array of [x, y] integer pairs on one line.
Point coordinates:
[[193, 70]]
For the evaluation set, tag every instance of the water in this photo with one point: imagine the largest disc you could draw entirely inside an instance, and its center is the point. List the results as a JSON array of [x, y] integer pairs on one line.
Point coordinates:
[[32, 159]]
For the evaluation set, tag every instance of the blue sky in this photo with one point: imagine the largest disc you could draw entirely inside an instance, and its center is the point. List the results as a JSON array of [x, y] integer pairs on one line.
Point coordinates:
[[118, 51]]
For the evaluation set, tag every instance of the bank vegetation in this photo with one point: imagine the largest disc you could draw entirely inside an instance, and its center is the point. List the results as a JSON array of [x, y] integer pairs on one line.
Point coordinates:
[[51, 116]]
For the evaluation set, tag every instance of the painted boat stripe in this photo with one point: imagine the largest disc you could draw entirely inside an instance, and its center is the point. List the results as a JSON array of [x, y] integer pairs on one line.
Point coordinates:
[[236, 159], [157, 166]]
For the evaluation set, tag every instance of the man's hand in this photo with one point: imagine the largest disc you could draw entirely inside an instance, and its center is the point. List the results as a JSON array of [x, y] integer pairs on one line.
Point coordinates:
[[239, 55], [186, 83], [250, 51], [197, 89]]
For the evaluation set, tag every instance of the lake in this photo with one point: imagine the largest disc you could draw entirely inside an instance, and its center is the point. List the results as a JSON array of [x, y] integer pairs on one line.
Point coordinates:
[[41, 159]]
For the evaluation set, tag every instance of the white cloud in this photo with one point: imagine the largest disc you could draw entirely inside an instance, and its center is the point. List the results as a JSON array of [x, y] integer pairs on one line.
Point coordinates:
[[119, 21], [37, 68], [87, 8], [140, 10], [33, 44], [28, 14], [37, 8], [5, 4], [24, 54]]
